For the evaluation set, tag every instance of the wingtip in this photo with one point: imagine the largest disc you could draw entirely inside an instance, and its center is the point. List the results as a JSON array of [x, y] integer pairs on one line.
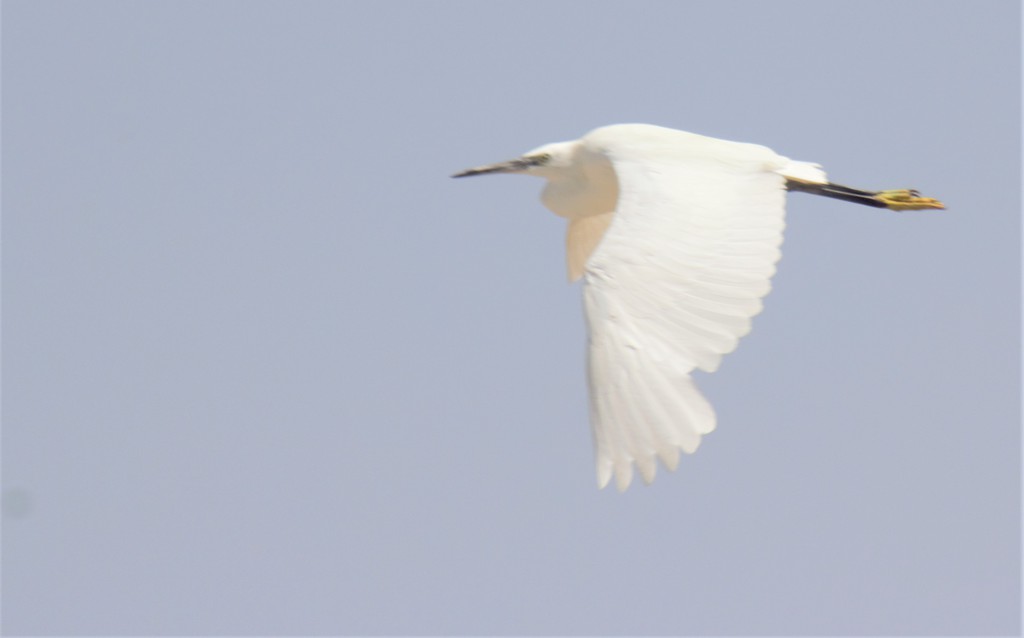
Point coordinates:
[[623, 477]]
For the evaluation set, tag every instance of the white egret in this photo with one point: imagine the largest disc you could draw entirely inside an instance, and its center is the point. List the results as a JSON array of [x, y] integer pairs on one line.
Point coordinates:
[[676, 237]]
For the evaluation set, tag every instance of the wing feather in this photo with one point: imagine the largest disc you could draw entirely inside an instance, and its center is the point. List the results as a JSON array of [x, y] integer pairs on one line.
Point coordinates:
[[672, 286]]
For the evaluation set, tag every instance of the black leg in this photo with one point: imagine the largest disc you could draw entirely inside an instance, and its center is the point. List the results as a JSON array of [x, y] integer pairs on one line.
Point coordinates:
[[836, 191], [893, 199]]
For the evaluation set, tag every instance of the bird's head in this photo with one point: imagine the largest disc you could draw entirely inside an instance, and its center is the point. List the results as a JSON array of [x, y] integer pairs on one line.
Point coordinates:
[[544, 161]]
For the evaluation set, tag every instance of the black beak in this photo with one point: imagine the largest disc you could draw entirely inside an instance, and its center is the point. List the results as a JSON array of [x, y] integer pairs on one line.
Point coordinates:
[[511, 166]]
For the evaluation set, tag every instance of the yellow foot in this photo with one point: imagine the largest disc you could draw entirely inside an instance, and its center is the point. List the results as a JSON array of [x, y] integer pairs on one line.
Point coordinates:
[[907, 200]]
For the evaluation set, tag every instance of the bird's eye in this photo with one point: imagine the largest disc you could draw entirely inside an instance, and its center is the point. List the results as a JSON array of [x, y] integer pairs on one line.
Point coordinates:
[[538, 160]]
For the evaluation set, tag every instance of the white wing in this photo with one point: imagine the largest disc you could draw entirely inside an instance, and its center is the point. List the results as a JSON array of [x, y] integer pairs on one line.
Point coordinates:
[[673, 285]]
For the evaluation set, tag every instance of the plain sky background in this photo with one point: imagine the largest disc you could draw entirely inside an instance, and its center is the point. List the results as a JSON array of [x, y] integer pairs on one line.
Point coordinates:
[[268, 370]]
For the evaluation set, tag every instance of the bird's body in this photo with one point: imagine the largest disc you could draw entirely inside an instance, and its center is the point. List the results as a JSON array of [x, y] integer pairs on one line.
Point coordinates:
[[676, 236]]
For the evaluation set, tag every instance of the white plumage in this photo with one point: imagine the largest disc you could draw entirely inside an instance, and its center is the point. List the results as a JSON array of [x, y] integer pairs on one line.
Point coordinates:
[[676, 237], [669, 292]]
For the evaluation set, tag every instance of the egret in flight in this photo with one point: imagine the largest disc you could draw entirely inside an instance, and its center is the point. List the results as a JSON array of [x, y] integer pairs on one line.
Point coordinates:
[[676, 236]]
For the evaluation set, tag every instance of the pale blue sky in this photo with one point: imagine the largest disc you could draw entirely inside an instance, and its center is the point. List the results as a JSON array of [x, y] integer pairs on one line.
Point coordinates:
[[267, 370]]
